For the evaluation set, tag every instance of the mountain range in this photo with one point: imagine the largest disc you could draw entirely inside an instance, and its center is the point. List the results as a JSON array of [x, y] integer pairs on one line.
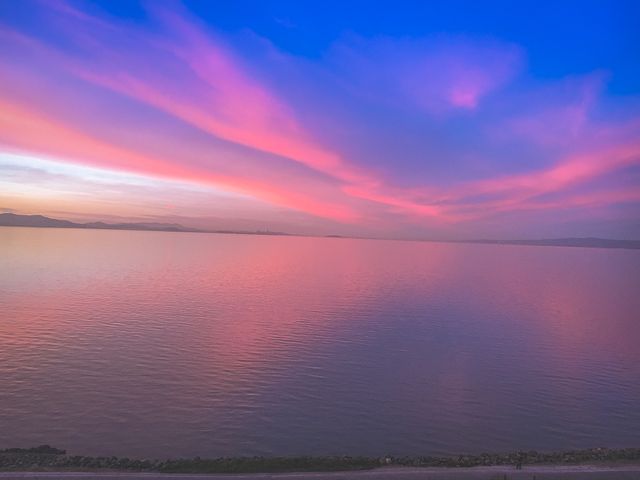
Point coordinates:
[[40, 221]]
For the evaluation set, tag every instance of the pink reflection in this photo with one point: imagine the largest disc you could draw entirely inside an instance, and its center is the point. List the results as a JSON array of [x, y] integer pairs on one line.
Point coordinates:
[[230, 329]]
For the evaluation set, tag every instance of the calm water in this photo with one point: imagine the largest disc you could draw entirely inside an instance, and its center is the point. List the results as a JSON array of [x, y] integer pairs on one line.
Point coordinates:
[[164, 344]]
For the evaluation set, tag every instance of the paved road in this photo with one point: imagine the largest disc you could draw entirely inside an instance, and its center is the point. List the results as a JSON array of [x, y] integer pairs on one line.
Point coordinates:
[[628, 472]]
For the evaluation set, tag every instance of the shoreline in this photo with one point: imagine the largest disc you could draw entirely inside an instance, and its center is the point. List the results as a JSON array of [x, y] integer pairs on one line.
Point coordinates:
[[46, 459], [536, 472]]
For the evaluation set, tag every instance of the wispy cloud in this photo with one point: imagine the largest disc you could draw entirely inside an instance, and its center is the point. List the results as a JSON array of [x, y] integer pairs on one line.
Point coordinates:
[[436, 74], [429, 134]]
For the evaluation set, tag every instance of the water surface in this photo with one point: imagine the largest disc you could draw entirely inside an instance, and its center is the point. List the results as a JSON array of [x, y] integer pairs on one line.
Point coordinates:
[[177, 344]]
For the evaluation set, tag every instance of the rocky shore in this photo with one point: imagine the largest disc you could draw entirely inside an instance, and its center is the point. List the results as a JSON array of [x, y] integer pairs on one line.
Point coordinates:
[[53, 459]]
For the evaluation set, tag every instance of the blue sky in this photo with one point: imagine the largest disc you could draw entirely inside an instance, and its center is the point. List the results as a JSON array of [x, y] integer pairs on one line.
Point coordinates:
[[405, 119]]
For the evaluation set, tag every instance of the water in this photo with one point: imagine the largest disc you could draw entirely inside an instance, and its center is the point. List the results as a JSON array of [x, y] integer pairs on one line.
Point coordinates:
[[175, 344]]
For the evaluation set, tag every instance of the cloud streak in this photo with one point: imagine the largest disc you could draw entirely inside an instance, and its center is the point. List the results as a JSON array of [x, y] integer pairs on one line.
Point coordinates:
[[444, 130]]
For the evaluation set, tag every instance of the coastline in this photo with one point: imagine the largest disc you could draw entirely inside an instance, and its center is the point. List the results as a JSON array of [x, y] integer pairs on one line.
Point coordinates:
[[39, 221], [46, 459], [553, 472]]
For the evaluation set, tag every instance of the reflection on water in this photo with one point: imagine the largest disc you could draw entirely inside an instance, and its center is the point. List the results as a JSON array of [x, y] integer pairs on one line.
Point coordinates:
[[165, 344]]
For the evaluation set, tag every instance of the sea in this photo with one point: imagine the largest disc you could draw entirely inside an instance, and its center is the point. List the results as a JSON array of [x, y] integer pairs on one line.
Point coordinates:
[[169, 344]]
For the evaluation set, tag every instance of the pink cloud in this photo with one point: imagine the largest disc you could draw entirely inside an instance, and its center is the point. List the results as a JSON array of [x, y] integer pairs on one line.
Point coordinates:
[[521, 192], [253, 139], [214, 92], [556, 115], [436, 74], [397, 200], [29, 130], [461, 74], [577, 168]]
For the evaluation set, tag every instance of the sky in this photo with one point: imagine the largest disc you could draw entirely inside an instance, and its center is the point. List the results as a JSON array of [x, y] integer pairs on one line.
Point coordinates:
[[391, 119]]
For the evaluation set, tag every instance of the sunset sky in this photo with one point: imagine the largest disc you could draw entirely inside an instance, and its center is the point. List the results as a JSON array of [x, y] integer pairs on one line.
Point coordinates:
[[434, 119]]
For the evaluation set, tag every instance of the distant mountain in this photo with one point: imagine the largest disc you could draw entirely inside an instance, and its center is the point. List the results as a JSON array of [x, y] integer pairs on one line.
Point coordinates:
[[592, 242], [13, 220], [163, 227], [40, 221]]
